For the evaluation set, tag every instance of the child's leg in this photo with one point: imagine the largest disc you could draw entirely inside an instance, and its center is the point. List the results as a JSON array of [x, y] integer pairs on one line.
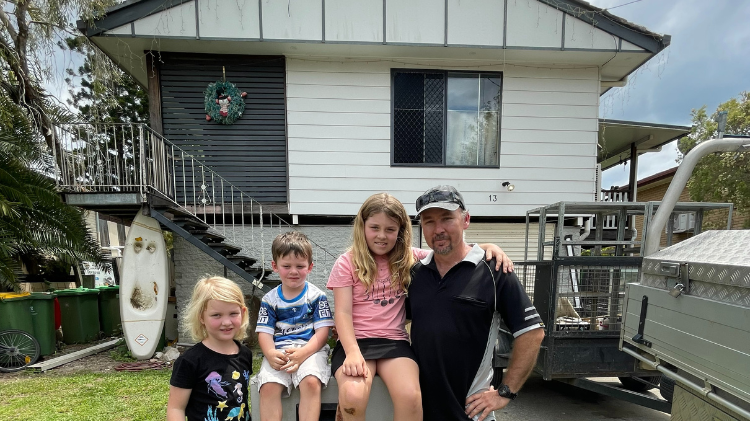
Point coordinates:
[[309, 399], [270, 401], [401, 376], [354, 393]]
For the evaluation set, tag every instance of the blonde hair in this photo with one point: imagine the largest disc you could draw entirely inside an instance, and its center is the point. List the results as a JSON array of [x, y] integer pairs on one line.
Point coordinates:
[[213, 288], [291, 242], [400, 259]]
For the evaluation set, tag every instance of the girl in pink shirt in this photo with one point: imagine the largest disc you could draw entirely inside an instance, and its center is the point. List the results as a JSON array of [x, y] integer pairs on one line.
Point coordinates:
[[369, 284]]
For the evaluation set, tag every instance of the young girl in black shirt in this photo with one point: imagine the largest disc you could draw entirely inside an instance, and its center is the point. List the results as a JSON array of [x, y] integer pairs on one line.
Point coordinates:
[[210, 380]]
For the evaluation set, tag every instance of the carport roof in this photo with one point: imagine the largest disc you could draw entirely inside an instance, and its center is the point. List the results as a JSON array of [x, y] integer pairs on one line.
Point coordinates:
[[617, 136]]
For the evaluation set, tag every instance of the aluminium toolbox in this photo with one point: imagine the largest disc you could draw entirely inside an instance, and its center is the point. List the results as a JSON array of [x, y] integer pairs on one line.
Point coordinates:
[[692, 310]]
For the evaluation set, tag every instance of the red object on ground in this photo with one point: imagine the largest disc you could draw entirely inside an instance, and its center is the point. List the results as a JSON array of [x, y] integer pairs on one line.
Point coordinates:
[[58, 316]]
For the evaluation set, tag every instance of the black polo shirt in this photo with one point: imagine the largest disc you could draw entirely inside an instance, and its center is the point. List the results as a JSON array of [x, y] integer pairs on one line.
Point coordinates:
[[454, 328]]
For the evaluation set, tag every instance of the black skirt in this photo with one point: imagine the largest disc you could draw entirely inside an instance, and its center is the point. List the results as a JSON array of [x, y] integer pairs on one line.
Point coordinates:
[[373, 349]]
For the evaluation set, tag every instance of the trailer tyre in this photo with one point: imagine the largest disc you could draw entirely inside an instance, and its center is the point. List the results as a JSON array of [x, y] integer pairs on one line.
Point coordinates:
[[633, 384], [666, 388]]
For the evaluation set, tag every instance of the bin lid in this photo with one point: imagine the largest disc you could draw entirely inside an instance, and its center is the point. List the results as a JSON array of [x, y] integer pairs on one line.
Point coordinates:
[[77, 291], [108, 288], [13, 296], [43, 295]]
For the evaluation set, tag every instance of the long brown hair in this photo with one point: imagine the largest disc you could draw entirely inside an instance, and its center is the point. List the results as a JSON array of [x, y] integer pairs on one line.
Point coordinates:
[[400, 259]]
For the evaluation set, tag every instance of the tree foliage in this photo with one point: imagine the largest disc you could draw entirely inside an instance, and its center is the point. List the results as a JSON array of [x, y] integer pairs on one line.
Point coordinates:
[[34, 221], [30, 31], [35, 224], [721, 177], [111, 97]]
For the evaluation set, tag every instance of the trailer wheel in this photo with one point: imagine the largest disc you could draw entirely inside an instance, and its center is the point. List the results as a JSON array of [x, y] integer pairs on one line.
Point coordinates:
[[636, 385], [666, 388]]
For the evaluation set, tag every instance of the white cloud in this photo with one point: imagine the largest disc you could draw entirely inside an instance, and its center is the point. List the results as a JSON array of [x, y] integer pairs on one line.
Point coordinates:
[[706, 64]]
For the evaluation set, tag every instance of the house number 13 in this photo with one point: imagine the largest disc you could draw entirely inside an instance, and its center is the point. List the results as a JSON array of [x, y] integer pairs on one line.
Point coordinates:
[[493, 198]]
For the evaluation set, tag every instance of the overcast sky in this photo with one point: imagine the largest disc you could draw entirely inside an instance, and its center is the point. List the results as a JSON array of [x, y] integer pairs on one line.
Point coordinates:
[[707, 63]]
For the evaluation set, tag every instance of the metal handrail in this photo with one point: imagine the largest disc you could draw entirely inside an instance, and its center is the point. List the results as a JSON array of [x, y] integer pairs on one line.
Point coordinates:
[[132, 157]]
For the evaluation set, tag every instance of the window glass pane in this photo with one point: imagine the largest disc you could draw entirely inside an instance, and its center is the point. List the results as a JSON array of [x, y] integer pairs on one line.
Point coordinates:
[[463, 92], [462, 138], [473, 120], [490, 93], [489, 138], [408, 136], [418, 118]]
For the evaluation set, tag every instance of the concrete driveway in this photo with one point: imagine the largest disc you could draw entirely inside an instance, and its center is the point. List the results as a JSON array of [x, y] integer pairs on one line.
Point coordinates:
[[543, 400]]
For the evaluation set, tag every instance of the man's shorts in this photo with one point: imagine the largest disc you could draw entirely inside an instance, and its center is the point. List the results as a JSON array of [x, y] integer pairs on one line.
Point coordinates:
[[315, 365]]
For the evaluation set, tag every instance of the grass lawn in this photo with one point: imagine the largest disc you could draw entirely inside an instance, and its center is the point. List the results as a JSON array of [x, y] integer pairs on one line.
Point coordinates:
[[86, 396], [83, 396]]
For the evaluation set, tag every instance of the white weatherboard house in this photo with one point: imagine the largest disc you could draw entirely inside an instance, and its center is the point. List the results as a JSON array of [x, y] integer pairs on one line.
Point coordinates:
[[346, 98]]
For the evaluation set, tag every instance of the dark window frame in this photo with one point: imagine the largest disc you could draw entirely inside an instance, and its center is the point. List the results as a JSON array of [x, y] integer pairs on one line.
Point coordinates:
[[445, 73]]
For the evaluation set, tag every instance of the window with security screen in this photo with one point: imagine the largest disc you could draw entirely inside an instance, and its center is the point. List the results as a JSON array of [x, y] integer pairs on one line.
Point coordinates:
[[443, 118]]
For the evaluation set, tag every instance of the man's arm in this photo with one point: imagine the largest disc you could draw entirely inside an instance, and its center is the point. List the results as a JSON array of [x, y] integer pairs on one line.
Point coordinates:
[[523, 358], [522, 361]]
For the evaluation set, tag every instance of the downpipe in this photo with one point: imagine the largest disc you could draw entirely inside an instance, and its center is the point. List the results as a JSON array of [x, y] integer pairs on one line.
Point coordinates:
[[681, 177], [709, 394]]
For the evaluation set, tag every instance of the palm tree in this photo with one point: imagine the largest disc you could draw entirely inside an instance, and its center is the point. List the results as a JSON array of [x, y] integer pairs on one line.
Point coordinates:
[[34, 221]]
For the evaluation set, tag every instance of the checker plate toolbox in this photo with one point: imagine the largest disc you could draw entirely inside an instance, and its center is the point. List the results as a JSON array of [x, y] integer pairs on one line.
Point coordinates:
[[691, 311]]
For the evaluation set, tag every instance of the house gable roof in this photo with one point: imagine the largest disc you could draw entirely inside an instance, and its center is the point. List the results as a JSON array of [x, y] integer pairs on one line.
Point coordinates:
[[558, 33], [133, 10]]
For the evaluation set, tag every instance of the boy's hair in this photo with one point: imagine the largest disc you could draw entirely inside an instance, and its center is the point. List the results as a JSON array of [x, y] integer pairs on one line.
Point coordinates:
[[291, 242], [213, 288], [400, 259]]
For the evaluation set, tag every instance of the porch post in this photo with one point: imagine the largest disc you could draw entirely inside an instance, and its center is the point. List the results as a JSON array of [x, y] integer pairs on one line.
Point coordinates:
[[633, 183]]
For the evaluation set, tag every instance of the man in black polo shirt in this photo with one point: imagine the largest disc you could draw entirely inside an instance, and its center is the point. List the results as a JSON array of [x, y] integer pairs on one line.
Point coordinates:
[[457, 299]]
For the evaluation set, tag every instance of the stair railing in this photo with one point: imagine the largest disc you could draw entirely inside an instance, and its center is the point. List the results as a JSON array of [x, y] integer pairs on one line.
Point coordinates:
[[132, 158]]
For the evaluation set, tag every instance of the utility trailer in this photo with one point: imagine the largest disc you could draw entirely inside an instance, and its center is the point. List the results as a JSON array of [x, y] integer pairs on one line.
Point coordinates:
[[580, 297], [689, 316]]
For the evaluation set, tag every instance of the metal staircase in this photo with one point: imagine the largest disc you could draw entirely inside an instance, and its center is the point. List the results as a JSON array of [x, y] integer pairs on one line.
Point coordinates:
[[115, 169]]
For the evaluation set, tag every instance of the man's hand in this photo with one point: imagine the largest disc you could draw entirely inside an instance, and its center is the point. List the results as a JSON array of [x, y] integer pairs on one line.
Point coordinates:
[[485, 402], [296, 357]]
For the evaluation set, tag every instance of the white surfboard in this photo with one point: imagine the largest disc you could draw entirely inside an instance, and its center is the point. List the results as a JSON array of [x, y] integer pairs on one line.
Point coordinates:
[[144, 286]]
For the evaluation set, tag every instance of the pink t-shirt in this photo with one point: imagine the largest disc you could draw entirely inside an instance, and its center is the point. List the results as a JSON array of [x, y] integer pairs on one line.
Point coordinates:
[[379, 312]]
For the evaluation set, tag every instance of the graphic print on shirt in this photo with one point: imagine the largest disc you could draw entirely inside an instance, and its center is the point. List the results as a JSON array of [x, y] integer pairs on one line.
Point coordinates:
[[233, 401], [215, 384], [380, 293]]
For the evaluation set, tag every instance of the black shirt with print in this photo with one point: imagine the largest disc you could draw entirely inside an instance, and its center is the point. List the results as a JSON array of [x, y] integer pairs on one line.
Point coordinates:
[[219, 383]]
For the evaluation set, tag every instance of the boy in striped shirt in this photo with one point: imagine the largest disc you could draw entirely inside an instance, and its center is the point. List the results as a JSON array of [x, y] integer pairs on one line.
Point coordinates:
[[293, 324]]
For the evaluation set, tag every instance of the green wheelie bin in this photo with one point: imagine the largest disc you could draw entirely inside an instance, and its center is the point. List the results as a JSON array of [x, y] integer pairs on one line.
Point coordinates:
[[42, 306], [79, 310], [109, 310], [15, 312]]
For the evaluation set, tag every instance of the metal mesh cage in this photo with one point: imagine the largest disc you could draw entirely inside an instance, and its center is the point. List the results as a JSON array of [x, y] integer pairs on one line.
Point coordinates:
[[418, 118], [590, 298]]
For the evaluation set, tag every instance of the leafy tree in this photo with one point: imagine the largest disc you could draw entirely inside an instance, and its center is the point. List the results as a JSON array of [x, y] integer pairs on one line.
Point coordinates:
[[35, 224], [29, 32], [721, 177], [103, 98]]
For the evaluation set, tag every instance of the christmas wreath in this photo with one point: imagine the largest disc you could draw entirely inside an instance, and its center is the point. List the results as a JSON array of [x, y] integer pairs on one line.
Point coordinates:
[[224, 102]]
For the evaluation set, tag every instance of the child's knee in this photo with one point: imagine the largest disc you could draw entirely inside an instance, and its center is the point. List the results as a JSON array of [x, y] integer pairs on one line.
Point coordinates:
[[311, 384], [409, 399], [354, 394], [271, 389]]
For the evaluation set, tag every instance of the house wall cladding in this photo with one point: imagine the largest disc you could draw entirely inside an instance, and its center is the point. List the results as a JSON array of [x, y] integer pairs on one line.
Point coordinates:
[[339, 119], [251, 153]]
